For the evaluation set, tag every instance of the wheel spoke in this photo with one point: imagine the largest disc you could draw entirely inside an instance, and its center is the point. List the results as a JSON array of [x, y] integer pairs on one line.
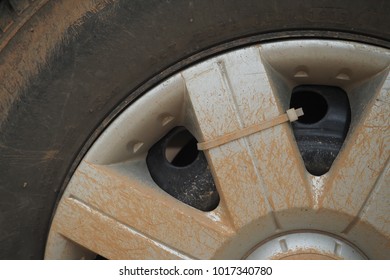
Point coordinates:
[[119, 213], [375, 211], [106, 236], [354, 175], [375, 214], [257, 175]]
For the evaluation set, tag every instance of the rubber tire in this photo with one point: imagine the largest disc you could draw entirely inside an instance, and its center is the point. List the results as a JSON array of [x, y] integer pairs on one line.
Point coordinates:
[[74, 64]]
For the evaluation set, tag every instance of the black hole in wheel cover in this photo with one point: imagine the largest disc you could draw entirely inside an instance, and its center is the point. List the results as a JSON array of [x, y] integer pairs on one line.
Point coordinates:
[[313, 104], [321, 135], [181, 150], [191, 183]]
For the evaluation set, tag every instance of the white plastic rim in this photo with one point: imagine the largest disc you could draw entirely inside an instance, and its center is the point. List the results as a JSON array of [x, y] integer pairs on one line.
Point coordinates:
[[113, 208]]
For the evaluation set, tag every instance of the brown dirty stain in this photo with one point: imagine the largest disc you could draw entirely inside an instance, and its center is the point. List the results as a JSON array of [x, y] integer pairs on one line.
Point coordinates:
[[305, 254], [356, 185], [106, 237], [368, 146], [234, 168], [31, 51], [283, 176], [205, 108], [20, 21], [360, 214], [37, 156], [50, 155], [247, 161], [153, 213], [271, 202], [238, 185]]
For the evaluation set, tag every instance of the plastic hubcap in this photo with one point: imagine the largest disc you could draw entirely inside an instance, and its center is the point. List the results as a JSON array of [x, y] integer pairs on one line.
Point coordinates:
[[306, 246]]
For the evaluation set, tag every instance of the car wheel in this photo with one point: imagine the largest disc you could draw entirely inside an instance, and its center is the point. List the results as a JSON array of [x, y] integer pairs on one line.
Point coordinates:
[[103, 104]]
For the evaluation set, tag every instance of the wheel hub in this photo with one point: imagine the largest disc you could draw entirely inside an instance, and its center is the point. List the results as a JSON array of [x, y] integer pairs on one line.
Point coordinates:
[[306, 246]]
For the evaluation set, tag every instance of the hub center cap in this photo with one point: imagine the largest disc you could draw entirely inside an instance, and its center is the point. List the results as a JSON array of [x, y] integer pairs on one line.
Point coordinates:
[[306, 246]]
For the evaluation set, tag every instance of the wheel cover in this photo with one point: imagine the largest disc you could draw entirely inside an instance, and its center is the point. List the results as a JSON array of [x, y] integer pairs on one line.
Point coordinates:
[[113, 208]]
